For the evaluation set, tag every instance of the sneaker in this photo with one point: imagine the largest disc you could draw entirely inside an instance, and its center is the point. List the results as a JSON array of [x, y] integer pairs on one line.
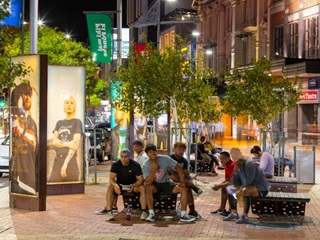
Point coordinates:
[[110, 216], [151, 218], [225, 213], [144, 216], [114, 210], [218, 211], [243, 220], [187, 218], [220, 167], [102, 211], [196, 189], [230, 217], [195, 214]]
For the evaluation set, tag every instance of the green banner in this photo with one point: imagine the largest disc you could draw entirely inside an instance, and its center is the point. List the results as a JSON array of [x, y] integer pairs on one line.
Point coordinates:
[[100, 36]]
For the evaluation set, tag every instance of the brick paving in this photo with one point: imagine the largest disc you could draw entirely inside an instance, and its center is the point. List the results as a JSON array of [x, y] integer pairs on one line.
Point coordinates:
[[72, 217]]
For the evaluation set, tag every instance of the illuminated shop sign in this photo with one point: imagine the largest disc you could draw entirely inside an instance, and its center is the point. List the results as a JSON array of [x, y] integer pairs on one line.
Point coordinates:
[[309, 96]]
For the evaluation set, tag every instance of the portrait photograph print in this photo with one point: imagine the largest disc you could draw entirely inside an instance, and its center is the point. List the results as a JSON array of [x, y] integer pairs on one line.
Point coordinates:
[[66, 101], [24, 103]]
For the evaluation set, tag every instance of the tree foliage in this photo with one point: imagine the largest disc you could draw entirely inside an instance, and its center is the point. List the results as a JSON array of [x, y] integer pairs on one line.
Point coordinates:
[[159, 81], [67, 52], [256, 92], [8, 71]]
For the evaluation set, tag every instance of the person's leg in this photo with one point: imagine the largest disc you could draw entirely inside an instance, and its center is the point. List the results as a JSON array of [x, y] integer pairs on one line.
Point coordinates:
[[142, 190], [224, 198], [232, 203], [183, 200], [110, 197], [247, 193], [150, 190]]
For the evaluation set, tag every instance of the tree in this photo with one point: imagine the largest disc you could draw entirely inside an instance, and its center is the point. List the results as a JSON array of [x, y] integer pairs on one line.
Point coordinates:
[[256, 92], [68, 52], [8, 71], [160, 81]]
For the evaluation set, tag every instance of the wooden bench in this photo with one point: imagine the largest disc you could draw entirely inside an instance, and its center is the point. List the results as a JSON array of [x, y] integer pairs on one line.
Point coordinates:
[[283, 184], [280, 203], [160, 203]]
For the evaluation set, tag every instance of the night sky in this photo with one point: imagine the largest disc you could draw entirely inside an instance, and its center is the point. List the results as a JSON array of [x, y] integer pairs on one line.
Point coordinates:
[[68, 16]]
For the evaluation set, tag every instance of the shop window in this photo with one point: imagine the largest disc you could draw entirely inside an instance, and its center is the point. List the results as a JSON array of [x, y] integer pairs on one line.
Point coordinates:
[[294, 38], [278, 42], [311, 33]]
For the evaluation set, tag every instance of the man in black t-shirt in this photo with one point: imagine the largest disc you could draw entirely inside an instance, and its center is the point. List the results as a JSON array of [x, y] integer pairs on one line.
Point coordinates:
[[178, 151], [125, 176]]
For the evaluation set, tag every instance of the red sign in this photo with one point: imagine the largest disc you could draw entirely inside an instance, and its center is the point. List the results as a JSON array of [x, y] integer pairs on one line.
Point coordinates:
[[309, 96]]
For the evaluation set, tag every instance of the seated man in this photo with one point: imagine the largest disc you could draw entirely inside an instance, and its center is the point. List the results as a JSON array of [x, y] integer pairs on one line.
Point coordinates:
[[157, 180], [228, 170], [124, 172], [178, 150], [266, 161], [214, 160], [286, 158], [249, 181]]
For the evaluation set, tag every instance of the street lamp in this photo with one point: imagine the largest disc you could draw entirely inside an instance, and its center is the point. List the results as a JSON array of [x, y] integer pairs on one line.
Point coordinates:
[[195, 33]]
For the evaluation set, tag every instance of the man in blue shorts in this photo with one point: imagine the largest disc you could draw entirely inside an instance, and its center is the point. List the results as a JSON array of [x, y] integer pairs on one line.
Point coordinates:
[[157, 180]]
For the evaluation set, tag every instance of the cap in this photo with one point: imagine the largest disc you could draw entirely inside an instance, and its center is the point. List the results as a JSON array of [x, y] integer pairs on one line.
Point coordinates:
[[125, 151]]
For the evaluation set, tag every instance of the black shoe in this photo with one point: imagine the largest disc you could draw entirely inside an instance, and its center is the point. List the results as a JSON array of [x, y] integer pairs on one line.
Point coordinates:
[[220, 168], [218, 211], [225, 213], [196, 189]]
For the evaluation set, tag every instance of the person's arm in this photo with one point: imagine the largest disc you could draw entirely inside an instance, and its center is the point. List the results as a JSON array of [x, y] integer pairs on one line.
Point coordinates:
[[181, 176], [223, 184], [112, 181], [73, 146], [263, 162], [149, 177]]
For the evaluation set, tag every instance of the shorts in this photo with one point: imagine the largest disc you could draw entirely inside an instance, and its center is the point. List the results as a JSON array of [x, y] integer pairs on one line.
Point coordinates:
[[164, 188], [264, 193]]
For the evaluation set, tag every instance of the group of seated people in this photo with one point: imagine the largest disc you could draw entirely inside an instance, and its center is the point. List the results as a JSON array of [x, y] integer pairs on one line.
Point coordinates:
[[243, 178], [151, 173]]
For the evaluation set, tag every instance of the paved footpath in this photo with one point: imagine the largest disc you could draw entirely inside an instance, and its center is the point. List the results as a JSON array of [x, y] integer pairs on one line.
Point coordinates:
[[72, 217]]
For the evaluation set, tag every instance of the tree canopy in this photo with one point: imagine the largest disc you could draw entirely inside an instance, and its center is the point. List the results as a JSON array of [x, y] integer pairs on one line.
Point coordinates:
[[8, 71], [256, 92], [159, 81], [67, 52]]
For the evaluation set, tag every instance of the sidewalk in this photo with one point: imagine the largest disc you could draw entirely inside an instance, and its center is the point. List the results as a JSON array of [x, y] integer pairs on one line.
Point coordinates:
[[72, 216]]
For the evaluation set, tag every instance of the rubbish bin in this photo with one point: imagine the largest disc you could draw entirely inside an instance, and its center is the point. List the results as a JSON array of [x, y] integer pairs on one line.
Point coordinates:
[[305, 165]]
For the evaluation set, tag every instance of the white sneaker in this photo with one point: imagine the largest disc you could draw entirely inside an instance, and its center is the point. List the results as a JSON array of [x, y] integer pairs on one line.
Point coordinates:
[[144, 216], [151, 218], [187, 218], [110, 216]]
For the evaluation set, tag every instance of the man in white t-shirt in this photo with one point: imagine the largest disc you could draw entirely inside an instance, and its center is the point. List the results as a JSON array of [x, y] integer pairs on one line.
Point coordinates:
[[141, 155]]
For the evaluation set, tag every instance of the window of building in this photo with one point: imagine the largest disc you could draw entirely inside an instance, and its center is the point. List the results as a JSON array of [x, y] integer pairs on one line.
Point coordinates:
[[278, 42], [294, 37], [311, 34]]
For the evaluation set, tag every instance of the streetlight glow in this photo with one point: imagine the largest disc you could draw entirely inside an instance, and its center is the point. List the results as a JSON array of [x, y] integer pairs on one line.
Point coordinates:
[[68, 36], [195, 32]]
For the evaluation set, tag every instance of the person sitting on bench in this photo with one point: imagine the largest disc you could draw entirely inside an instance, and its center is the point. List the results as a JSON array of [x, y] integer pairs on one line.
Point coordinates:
[[266, 161], [179, 149], [125, 176], [248, 181], [157, 180], [229, 167], [214, 160]]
